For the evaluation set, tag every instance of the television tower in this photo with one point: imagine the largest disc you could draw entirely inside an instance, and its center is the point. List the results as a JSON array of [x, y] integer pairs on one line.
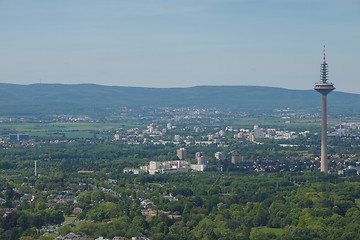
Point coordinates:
[[324, 87]]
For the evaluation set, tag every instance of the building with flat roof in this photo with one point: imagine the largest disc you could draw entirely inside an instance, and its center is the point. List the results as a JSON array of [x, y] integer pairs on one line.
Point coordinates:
[[220, 156], [236, 159], [181, 153]]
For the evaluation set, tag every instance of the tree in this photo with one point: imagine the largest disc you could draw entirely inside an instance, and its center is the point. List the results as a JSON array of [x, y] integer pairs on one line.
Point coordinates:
[[57, 217], [204, 230], [84, 198], [97, 195], [296, 233], [65, 229], [23, 221], [11, 220], [257, 234], [47, 236]]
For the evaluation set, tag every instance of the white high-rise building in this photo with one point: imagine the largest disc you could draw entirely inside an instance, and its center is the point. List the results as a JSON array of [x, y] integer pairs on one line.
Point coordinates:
[[201, 158], [220, 156], [117, 137], [258, 132], [177, 138], [181, 153]]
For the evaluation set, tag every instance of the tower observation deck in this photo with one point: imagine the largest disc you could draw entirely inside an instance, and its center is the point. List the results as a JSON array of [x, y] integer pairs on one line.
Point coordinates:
[[324, 87]]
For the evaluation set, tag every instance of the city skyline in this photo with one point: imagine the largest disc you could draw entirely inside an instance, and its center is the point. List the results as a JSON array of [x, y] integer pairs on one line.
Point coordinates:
[[179, 43]]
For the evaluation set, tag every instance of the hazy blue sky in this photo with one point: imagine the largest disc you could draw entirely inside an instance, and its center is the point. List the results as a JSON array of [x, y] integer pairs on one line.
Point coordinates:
[[180, 43]]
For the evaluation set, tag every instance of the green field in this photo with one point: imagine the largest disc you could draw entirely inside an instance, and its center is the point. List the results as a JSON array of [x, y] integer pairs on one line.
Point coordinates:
[[70, 219], [69, 130]]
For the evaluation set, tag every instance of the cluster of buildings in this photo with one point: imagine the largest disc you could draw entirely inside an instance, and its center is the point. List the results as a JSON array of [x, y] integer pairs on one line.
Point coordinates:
[[177, 165], [349, 171], [174, 166], [166, 167], [344, 129], [306, 162], [71, 118], [156, 136], [181, 165], [258, 132]]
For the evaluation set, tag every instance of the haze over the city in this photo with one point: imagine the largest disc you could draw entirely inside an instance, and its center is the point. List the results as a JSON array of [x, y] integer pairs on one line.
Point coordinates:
[[183, 43]]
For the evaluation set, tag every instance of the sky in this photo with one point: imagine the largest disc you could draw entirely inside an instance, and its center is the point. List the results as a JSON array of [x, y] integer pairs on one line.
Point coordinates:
[[180, 43]]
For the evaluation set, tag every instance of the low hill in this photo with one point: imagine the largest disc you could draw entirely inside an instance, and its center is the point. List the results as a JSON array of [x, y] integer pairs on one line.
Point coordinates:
[[91, 98]]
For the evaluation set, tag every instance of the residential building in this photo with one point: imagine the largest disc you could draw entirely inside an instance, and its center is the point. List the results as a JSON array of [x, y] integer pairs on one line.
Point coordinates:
[[220, 156], [181, 153], [237, 159]]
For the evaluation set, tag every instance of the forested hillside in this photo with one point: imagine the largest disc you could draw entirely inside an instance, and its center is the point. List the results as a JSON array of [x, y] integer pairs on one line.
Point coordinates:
[[98, 99], [203, 206]]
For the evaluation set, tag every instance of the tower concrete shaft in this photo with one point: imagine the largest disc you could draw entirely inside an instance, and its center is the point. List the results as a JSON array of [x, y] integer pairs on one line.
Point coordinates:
[[324, 161]]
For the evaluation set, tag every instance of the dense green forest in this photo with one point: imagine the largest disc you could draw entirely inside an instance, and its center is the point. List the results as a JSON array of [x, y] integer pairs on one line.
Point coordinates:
[[211, 205], [233, 204]]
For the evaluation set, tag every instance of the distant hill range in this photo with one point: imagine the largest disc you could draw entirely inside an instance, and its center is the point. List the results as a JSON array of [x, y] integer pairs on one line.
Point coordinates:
[[96, 99]]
